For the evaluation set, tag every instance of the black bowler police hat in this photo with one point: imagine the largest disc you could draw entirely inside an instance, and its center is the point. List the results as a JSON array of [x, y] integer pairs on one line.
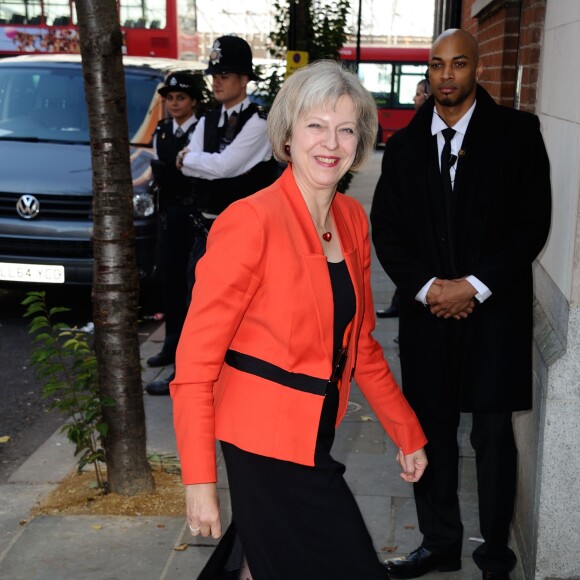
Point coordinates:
[[181, 83], [231, 54]]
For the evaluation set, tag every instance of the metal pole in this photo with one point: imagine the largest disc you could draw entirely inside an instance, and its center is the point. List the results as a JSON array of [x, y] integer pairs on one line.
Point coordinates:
[[358, 34], [292, 26]]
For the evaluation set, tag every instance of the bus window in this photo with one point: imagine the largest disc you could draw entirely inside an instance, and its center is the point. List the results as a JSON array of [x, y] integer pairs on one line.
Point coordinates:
[[410, 75], [137, 14], [57, 12], [391, 74], [377, 78], [19, 12], [186, 15]]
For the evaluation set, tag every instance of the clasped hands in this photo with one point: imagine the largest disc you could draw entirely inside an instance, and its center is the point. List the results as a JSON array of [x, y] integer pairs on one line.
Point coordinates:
[[451, 298]]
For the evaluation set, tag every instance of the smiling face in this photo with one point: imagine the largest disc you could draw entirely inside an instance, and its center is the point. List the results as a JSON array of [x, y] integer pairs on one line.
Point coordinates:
[[323, 146], [454, 67], [180, 106]]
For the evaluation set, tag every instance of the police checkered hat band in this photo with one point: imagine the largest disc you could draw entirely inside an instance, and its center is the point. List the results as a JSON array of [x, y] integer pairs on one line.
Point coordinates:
[[182, 83]]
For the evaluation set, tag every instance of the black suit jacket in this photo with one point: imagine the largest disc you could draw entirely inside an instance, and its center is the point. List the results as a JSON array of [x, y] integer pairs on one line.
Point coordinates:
[[501, 220]]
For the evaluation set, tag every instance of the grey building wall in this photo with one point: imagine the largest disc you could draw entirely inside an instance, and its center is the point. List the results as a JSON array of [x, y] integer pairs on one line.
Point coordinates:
[[547, 520]]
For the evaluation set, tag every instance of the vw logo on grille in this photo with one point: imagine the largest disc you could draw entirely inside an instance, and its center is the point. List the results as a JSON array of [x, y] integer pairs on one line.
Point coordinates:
[[27, 207]]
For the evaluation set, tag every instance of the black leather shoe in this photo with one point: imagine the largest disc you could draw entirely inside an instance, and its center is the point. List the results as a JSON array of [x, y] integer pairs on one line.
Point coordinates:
[[421, 561], [160, 360], [160, 387], [494, 575], [390, 312]]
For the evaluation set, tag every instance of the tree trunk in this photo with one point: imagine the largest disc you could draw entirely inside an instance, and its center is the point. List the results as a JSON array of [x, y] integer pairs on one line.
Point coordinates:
[[115, 279]]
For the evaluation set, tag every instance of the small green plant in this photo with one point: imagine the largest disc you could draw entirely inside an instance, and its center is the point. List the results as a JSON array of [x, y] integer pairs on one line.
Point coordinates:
[[67, 365]]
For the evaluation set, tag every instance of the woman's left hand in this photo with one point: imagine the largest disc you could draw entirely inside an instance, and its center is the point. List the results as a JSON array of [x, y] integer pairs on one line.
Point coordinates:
[[413, 464]]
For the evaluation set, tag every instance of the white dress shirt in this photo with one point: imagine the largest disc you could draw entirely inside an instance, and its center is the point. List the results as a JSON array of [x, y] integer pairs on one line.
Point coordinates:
[[250, 147], [437, 126]]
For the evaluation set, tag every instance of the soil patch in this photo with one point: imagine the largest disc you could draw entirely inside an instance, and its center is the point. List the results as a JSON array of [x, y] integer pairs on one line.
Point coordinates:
[[77, 495]]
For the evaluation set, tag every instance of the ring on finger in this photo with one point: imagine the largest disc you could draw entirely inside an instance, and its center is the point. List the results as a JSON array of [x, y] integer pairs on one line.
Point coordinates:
[[194, 530]]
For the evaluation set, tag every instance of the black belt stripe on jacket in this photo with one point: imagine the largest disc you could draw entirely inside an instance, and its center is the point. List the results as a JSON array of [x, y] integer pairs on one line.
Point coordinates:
[[261, 368]]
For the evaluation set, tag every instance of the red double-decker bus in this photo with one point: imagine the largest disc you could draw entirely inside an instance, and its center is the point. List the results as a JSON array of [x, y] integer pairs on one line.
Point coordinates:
[[160, 28], [391, 75]]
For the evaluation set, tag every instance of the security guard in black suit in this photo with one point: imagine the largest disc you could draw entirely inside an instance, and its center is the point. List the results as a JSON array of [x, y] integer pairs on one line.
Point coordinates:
[[460, 212], [182, 95]]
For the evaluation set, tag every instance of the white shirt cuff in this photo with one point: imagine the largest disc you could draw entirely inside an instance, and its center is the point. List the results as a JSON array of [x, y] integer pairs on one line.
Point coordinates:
[[483, 292], [422, 294]]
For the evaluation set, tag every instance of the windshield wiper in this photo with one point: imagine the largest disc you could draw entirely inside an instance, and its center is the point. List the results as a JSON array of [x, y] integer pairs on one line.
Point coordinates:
[[65, 141], [13, 138], [39, 140]]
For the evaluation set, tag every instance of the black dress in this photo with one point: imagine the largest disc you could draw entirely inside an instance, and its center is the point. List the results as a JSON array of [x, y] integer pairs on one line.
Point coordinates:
[[298, 522]]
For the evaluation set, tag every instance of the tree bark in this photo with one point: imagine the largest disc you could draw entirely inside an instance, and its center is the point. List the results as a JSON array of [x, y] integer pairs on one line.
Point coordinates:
[[115, 291]]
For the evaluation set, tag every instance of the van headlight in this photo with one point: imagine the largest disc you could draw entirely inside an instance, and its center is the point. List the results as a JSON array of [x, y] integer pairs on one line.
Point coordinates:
[[143, 204]]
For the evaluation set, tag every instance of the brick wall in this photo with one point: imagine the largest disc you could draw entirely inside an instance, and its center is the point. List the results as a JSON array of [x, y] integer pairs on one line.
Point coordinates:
[[510, 37]]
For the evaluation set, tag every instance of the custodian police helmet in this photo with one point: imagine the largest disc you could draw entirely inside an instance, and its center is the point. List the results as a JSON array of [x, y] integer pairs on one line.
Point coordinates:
[[231, 54]]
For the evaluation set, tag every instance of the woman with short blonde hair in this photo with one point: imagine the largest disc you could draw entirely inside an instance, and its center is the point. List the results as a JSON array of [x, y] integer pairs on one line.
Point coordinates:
[[319, 86], [281, 319]]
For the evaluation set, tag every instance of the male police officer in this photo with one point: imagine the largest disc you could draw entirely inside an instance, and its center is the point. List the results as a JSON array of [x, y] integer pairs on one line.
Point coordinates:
[[229, 155]]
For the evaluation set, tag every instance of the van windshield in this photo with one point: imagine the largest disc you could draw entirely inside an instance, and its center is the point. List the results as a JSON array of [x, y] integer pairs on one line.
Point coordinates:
[[47, 103]]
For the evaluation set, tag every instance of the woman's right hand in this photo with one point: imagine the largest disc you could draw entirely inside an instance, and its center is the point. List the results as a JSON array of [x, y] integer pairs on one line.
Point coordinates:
[[203, 509]]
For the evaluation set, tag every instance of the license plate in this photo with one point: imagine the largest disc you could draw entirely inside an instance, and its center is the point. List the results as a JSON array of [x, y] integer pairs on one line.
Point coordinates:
[[46, 274]]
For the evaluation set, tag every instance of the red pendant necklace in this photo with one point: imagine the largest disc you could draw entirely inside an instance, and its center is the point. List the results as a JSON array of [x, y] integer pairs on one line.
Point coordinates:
[[326, 236]]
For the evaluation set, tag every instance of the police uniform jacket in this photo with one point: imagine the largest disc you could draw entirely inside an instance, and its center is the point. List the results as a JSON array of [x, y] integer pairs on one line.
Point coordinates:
[[175, 188], [214, 195]]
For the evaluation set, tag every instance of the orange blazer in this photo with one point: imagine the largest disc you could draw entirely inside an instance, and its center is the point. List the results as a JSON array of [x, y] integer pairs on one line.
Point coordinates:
[[263, 289]]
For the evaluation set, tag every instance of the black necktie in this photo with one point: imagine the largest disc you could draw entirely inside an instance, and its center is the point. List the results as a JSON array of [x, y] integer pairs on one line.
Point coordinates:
[[231, 124], [229, 130], [179, 132], [446, 162]]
